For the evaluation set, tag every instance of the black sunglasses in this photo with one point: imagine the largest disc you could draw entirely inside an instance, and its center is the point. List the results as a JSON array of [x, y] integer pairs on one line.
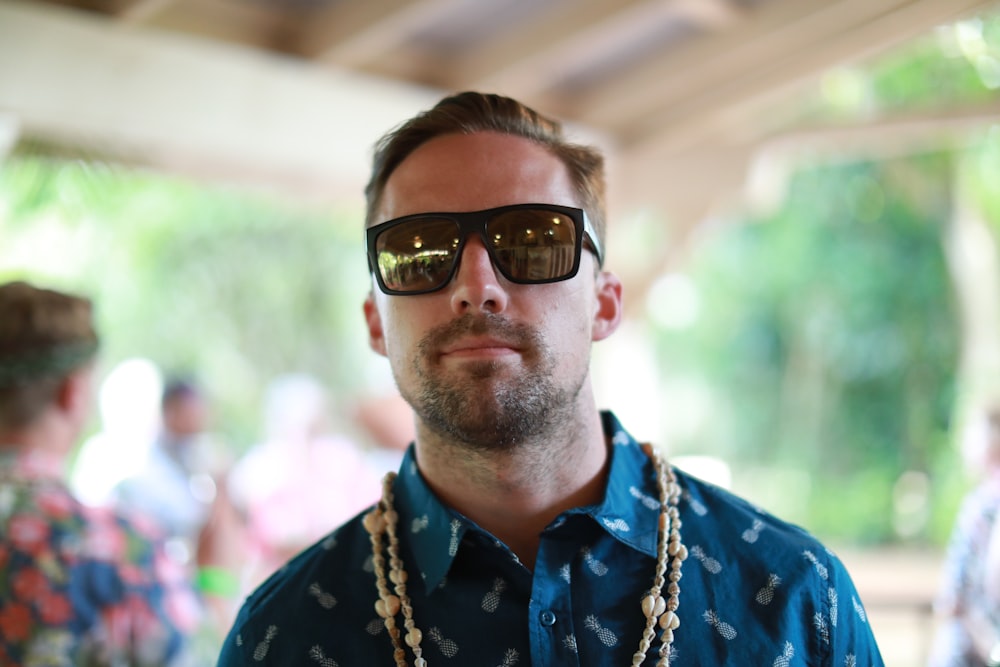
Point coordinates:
[[529, 243]]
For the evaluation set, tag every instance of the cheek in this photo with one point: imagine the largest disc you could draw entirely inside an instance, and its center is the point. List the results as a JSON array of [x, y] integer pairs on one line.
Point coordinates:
[[574, 313], [568, 326], [402, 329]]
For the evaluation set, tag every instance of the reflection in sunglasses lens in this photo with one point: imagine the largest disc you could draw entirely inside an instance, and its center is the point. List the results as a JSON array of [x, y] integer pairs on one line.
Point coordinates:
[[417, 255], [533, 244]]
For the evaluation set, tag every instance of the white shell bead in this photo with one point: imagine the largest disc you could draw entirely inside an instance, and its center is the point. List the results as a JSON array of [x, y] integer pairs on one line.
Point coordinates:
[[413, 637], [373, 522], [653, 606], [387, 607]]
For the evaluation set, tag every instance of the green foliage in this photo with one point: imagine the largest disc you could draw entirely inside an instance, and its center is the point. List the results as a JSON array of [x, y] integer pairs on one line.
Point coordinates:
[[827, 341], [235, 288], [856, 508], [955, 66], [828, 335]]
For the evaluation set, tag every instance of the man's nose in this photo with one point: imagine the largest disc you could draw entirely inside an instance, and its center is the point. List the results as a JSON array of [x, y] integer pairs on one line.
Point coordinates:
[[477, 285]]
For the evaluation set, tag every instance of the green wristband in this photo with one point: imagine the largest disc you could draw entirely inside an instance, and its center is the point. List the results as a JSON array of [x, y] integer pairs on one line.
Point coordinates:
[[217, 581]]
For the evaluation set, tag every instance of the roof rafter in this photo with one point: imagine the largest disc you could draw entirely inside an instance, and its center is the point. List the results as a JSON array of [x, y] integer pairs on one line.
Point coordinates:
[[549, 44], [725, 55], [141, 11], [356, 33], [675, 121]]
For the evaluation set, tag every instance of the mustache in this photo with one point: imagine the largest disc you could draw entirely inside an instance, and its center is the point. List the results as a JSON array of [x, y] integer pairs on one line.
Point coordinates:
[[488, 324]]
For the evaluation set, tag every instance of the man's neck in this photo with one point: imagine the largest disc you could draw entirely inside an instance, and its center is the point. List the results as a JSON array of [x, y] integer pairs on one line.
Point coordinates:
[[516, 493], [48, 435]]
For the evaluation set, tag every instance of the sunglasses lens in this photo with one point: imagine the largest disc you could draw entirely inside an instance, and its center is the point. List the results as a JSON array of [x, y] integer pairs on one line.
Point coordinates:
[[417, 255], [533, 245]]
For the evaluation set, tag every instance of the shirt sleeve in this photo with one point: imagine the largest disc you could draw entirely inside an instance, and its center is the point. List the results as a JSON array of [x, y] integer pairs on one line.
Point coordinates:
[[233, 653], [852, 641], [244, 646]]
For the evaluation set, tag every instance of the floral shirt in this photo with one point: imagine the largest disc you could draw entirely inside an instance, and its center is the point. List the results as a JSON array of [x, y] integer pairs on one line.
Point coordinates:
[[962, 578], [80, 586], [755, 590]]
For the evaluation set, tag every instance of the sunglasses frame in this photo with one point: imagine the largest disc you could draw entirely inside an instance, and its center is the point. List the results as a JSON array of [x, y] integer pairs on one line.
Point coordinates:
[[474, 222]]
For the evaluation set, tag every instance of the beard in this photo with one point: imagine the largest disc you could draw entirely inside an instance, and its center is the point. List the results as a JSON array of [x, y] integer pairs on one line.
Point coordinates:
[[484, 405]]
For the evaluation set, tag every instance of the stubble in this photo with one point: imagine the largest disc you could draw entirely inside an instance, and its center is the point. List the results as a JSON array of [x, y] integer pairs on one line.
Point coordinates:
[[483, 405]]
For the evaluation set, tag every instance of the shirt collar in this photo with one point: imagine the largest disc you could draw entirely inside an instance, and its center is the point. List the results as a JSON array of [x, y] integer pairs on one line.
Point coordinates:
[[629, 512], [433, 530]]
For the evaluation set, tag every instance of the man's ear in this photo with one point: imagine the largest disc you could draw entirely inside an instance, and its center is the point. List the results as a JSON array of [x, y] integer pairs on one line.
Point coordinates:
[[73, 395], [608, 314], [376, 335]]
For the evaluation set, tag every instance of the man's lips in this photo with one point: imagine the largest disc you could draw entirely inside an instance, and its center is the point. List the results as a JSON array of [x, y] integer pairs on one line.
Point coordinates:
[[479, 347]]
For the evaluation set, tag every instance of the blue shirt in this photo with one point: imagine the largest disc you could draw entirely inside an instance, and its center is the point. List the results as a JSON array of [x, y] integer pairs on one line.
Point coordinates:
[[755, 590]]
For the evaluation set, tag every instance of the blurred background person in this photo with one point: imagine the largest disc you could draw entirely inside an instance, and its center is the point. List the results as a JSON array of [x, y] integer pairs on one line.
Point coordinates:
[[180, 485], [968, 614], [128, 407], [81, 586], [302, 480], [174, 485]]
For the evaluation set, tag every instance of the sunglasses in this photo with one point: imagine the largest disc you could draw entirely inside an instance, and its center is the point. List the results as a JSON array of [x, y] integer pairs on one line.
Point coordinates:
[[529, 244]]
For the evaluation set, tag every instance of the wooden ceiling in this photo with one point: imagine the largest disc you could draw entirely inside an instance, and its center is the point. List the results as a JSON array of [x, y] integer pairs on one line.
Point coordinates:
[[682, 93], [652, 73]]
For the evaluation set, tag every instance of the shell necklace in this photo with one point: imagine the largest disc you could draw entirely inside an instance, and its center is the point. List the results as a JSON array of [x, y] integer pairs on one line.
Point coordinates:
[[659, 611]]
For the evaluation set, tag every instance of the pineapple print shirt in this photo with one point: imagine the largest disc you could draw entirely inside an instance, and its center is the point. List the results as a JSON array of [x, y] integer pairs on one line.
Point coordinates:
[[755, 590]]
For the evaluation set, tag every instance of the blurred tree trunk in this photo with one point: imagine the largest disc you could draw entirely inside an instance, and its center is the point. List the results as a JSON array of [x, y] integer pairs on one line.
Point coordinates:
[[971, 249]]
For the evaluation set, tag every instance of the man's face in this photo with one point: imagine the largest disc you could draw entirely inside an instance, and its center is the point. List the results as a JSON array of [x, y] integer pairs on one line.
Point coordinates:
[[186, 415], [484, 360]]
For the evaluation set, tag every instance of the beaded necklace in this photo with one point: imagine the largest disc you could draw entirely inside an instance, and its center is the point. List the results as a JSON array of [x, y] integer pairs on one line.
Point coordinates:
[[382, 520]]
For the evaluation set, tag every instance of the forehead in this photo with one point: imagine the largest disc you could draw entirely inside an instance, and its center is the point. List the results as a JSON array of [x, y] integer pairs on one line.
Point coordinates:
[[469, 172]]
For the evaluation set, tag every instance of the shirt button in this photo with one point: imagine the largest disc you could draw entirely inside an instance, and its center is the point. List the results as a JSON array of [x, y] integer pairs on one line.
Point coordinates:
[[547, 618]]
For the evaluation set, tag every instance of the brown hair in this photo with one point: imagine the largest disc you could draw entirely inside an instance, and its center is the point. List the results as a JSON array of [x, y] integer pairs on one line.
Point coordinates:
[[44, 336], [471, 112]]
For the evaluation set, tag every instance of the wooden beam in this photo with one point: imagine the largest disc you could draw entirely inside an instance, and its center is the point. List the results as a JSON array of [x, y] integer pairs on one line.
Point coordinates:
[[539, 57], [713, 15], [247, 24], [197, 108], [685, 186], [682, 122], [772, 31], [142, 11], [526, 59], [897, 133], [685, 181], [10, 131], [682, 190], [352, 34]]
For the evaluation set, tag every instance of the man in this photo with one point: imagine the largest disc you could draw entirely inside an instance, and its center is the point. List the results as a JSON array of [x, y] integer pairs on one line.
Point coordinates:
[[173, 487], [181, 488], [968, 600], [77, 586], [301, 479], [525, 526]]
